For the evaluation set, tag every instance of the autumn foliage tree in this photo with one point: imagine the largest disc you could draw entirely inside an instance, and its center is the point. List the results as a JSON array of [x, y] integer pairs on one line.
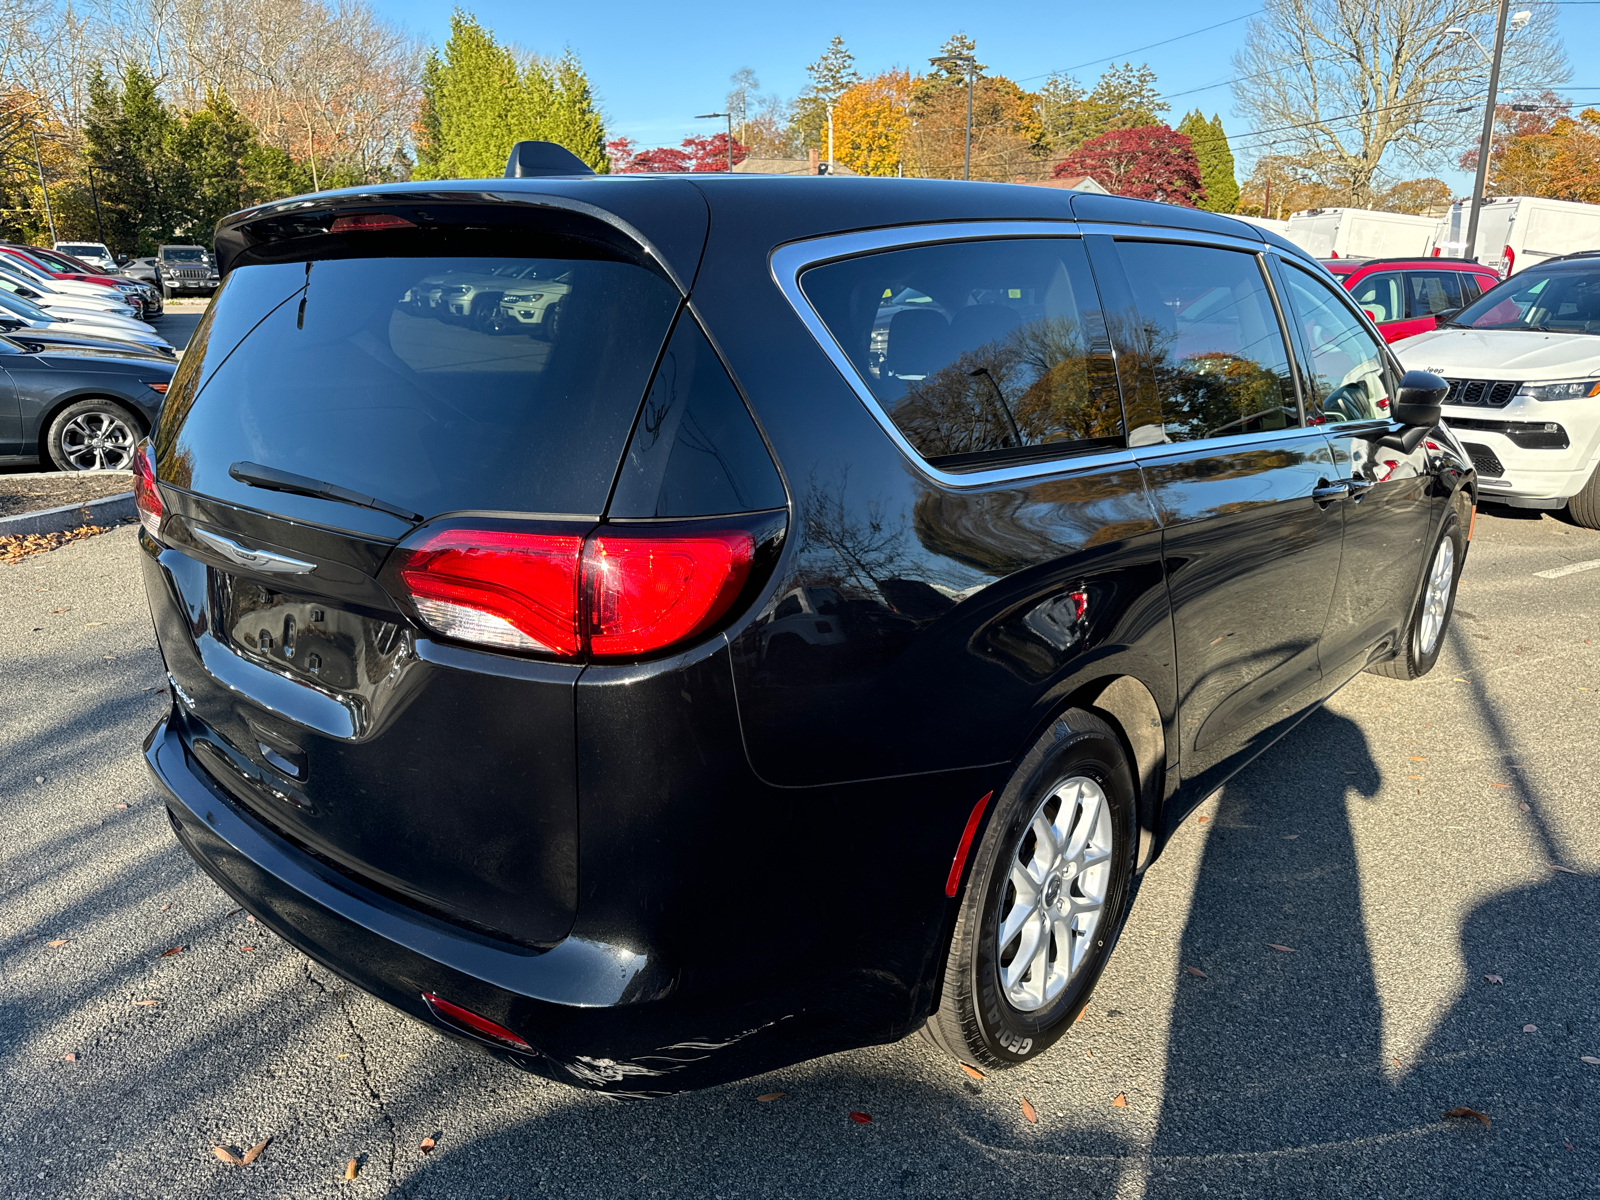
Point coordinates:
[[1546, 152], [1149, 163], [870, 122], [694, 154]]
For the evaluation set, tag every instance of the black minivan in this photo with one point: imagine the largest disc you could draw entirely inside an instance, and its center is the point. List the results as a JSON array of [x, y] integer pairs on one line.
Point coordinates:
[[664, 628]]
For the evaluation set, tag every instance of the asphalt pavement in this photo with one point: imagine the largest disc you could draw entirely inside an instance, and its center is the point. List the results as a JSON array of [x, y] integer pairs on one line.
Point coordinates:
[[1403, 844]]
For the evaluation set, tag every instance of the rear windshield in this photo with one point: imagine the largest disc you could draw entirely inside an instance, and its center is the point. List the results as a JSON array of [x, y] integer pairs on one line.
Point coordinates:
[[432, 384]]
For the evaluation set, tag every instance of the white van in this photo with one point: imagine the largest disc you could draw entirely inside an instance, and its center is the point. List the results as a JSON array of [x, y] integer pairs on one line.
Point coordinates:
[[1281, 228], [1361, 233], [1515, 232], [93, 253]]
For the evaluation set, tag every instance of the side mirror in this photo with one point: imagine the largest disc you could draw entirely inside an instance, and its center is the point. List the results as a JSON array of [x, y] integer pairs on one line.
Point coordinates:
[[122, 259], [1417, 404]]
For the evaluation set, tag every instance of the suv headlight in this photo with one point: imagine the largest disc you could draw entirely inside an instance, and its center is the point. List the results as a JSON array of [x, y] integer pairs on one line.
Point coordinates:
[[1561, 389]]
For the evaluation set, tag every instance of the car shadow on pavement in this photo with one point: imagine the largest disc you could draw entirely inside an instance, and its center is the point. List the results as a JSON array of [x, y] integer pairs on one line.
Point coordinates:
[[1277, 1080]]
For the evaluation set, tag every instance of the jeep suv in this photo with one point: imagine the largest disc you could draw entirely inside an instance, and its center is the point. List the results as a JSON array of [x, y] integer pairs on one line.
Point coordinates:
[[185, 271]]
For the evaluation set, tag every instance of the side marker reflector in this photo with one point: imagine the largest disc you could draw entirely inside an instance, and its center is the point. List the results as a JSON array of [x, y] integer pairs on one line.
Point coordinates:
[[952, 885], [1472, 522]]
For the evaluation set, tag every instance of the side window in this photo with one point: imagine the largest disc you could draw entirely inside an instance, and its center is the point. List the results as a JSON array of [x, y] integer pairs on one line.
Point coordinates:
[[977, 351], [1433, 292], [1382, 296], [1346, 368], [1470, 290], [1200, 345]]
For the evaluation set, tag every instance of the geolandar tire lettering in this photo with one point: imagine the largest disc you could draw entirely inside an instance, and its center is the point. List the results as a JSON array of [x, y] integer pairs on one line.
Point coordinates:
[[1045, 898]]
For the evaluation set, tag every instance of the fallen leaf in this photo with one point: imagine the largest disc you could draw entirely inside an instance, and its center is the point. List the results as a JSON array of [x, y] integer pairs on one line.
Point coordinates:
[[1203, 820], [69, 1058], [226, 1155], [1470, 1112], [254, 1152], [427, 1145], [972, 1071], [1030, 1112], [164, 907], [1395, 1061], [861, 1118], [1285, 949], [30, 937], [1568, 1145], [1080, 1015], [1413, 776], [249, 917], [1530, 1029], [242, 949], [350, 1170], [1197, 972], [146, 1003], [1500, 785], [1289, 837], [122, 806], [1418, 758], [346, 1055], [1568, 870], [229, 914], [1119, 1101], [769, 1097], [1493, 979], [57, 944], [1590, 1059], [170, 953], [88, 623], [1524, 806], [54, 611]]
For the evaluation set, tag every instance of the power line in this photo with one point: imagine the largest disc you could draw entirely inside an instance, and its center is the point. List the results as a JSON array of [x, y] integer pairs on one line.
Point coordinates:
[[1151, 46]]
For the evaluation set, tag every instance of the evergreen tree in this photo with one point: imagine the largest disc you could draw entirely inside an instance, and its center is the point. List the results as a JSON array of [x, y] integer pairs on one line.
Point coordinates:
[[478, 101], [128, 139], [1216, 161]]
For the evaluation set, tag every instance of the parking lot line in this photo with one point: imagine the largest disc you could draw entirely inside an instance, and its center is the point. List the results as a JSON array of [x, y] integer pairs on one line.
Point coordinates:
[[1569, 569]]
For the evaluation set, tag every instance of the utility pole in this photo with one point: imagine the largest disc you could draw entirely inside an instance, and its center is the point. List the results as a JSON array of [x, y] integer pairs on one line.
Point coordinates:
[[95, 196], [1486, 143], [49, 216], [729, 116], [968, 65], [830, 137]]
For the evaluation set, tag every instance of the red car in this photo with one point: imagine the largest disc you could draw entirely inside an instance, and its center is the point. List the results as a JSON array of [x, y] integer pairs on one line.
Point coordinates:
[[1405, 296], [59, 266]]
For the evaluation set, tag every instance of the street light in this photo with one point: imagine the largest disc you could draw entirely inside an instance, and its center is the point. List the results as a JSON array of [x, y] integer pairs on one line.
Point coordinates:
[[968, 64], [1503, 19], [729, 116]]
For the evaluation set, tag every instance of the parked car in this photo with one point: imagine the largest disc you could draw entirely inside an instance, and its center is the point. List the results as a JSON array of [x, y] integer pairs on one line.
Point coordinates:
[[78, 406], [149, 298], [1523, 364], [1408, 296], [73, 277], [185, 270], [19, 314], [96, 254], [144, 270], [472, 638], [1517, 232], [49, 291], [1361, 233]]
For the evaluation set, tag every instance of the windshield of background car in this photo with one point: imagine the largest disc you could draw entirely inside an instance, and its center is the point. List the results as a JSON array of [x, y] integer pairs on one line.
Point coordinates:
[[977, 347], [432, 383], [1556, 299], [81, 250], [183, 254]]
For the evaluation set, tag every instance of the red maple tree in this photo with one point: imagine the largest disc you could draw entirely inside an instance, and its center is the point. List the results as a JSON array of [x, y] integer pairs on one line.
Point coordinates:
[[1151, 162], [695, 154]]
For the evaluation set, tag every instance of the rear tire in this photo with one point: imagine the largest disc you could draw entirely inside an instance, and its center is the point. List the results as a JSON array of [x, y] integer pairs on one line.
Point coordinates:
[[1011, 988], [93, 434], [1584, 508], [1423, 636]]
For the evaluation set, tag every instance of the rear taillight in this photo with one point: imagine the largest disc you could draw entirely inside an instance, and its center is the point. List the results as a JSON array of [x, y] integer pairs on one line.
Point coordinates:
[[622, 592], [146, 499]]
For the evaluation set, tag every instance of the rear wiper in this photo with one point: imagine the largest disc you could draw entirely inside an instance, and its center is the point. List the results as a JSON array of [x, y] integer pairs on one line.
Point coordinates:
[[274, 480]]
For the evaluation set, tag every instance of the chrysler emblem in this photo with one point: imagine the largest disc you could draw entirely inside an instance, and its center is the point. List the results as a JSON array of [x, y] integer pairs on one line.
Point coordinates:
[[257, 560]]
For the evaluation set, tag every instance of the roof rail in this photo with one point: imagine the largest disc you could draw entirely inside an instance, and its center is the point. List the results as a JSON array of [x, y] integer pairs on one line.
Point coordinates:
[[531, 159], [1421, 259]]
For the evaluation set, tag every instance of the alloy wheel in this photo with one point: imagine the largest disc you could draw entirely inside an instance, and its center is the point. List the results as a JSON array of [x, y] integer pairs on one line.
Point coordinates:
[[1055, 892], [98, 440], [1436, 597]]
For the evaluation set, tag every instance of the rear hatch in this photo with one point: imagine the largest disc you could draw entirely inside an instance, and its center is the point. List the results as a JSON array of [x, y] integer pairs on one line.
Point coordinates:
[[350, 382]]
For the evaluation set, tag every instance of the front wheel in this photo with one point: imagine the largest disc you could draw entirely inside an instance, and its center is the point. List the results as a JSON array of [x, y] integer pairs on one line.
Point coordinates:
[[1584, 508], [1423, 637], [1045, 901]]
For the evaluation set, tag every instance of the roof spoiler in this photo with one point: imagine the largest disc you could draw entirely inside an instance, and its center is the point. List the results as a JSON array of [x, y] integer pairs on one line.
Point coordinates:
[[530, 159]]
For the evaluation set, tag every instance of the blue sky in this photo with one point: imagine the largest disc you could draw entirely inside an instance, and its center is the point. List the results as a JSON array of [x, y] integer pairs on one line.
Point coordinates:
[[655, 65]]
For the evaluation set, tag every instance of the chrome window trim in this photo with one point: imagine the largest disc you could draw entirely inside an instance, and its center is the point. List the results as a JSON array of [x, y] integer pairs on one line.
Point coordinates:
[[1222, 445], [788, 262]]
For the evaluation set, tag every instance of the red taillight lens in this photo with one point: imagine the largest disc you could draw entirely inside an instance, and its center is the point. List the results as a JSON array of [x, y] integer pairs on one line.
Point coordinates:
[[622, 593], [365, 222], [146, 499], [643, 593], [465, 1018], [515, 591]]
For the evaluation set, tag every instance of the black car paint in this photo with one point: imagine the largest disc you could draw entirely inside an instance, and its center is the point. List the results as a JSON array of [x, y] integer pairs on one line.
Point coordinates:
[[38, 378], [833, 786]]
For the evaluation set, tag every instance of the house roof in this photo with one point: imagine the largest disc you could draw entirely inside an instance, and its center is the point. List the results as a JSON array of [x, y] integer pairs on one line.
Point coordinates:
[[784, 166]]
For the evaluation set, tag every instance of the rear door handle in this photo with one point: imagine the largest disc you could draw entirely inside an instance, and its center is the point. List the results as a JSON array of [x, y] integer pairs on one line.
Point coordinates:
[[1327, 493], [1359, 487]]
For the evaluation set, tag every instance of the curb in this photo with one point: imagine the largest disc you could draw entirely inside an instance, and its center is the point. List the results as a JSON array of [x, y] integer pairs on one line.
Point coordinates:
[[107, 510]]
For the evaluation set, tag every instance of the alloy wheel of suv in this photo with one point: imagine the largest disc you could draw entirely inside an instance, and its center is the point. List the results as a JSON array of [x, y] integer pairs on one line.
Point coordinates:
[[93, 435], [1423, 637], [1046, 899]]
